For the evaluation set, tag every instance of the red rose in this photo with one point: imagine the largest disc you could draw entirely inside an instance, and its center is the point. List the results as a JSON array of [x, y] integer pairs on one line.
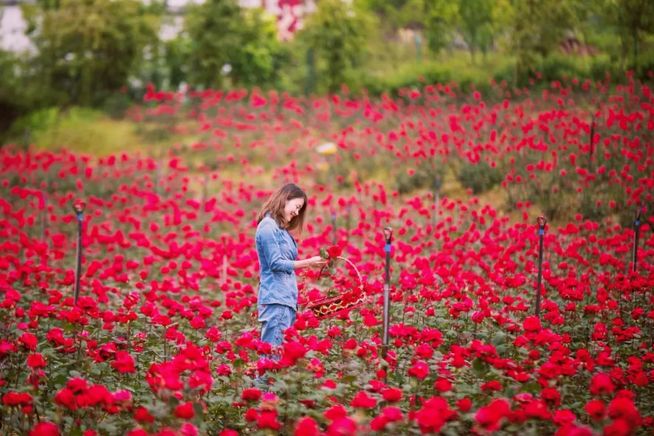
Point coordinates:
[[268, 419], [306, 426], [124, 362], [624, 408], [16, 398], [392, 395], [601, 384], [335, 412], [378, 423], [442, 385], [464, 404], [334, 251], [342, 426], [419, 370], [392, 414], [45, 429], [595, 408], [434, 413], [141, 414], [66, 398], [251, 394], [363, 401], [29, 341], [490, 416], [36, 360], [531, 324], [185, 411], [492, 385]]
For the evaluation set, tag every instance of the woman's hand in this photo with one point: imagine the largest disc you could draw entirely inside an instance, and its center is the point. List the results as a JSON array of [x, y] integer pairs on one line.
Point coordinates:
[[316, 261], [310, 262]]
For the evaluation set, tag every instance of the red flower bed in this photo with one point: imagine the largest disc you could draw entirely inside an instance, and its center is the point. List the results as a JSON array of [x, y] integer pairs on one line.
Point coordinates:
[[164, 338]]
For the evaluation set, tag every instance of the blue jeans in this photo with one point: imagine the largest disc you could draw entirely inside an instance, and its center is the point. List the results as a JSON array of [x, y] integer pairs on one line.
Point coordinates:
[[274, 319]]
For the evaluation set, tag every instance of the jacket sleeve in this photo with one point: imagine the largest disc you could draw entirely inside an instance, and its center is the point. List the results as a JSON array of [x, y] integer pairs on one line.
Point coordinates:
[[271, 250]]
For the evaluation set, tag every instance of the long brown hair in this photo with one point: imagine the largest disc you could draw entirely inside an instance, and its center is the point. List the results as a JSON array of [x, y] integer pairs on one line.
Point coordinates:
[[277, 202]]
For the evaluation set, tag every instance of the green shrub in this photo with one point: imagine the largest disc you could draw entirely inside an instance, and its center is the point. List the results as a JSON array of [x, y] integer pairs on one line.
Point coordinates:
[[426, 176], [117, 104], [34, 123], [413, 74], [78, 129], [480, 177]]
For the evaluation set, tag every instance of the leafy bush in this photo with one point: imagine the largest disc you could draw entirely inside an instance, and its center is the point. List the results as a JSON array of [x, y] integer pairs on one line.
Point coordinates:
[[78, 129], [556, 66], [480, 177], [425, 176]]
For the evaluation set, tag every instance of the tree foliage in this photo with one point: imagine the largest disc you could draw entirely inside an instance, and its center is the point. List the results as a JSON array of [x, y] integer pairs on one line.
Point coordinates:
[[337, 32], [476, 24], [86, 49], [228, 44], [633, 19], [538, 26]]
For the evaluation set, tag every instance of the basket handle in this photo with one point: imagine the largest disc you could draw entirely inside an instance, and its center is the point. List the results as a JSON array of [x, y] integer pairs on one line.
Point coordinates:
[[347, 261]]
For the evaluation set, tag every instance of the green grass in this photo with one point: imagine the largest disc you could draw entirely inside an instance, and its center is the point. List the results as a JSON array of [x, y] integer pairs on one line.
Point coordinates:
[[92, 132]]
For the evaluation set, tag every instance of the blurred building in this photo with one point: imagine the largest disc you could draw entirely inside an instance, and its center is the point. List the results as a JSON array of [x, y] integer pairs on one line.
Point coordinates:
[[13, 27]]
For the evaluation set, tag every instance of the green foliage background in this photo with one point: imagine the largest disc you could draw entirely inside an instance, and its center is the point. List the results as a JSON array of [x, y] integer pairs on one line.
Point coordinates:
[[100, 54]]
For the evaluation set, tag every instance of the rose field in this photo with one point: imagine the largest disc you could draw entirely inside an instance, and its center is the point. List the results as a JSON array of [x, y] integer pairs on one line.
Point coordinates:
[[163, 338]]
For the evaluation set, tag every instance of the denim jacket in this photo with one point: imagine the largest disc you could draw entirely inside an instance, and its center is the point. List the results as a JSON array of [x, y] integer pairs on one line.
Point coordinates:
[[276, 250]]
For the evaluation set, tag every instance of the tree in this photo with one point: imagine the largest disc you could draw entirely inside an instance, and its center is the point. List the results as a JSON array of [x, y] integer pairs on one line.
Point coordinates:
[[440, 22], [394, 14], [538, 26], [337, 33], [633, 19], [86, 49], [262, 55], [476, 17], [226, 41], [212, 29]]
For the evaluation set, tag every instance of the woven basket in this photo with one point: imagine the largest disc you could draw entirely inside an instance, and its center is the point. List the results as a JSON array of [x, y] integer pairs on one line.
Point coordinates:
[[330, 306]]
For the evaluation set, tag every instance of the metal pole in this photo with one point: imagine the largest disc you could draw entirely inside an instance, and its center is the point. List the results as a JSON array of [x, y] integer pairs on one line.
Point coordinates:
[[44, 224], [388, 236], [592, 145], [78, 207], [44, 214], [637, 224], [348, 220], [541, 232], [437, 190]]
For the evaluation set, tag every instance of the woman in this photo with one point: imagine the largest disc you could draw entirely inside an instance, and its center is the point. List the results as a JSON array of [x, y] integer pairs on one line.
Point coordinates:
[[277, 300]]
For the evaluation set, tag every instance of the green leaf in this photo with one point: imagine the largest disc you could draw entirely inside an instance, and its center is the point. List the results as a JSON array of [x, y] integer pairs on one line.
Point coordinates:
[[480, 367]]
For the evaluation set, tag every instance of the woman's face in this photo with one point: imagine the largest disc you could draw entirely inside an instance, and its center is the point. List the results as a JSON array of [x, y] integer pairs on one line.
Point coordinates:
[[292, 208]]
